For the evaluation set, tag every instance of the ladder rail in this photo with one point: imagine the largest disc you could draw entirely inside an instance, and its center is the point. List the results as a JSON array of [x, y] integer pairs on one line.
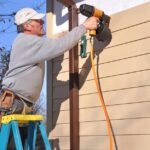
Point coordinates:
[[13, 121]]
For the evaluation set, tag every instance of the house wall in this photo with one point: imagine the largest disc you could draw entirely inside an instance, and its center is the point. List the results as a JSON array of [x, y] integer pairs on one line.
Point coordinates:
[[60, 22], [124, 72]]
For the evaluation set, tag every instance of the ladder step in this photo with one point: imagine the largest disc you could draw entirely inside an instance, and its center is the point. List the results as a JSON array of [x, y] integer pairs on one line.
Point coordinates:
[[21, 118], [13, 121]]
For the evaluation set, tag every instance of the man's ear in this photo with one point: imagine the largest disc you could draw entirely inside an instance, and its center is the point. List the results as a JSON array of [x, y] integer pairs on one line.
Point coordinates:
[[26, 26]]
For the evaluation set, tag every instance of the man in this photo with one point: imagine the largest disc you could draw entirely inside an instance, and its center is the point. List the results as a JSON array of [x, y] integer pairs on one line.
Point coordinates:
[[29, 51]]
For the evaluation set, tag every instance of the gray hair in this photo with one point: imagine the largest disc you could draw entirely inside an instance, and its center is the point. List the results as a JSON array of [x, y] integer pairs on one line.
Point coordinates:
[[20, 28]]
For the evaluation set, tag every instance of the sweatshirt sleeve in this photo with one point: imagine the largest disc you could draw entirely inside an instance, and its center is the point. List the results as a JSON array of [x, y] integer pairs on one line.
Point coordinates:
[[41, 49]]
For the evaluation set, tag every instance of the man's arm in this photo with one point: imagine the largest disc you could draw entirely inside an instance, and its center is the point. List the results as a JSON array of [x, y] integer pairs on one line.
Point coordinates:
[[40, 49]]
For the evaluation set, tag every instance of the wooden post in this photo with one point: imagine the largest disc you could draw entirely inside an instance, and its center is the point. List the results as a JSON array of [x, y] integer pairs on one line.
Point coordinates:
[[74, 85], [73, 79]]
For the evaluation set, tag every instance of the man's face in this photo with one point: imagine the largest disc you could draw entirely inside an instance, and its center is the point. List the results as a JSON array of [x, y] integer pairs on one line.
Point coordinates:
[[35, 27]]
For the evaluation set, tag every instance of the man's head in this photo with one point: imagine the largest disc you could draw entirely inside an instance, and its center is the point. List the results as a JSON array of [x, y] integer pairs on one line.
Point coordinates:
[[29, 21]]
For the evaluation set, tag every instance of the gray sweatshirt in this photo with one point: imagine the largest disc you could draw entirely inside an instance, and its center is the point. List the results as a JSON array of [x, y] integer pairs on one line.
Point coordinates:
[[26, 68]]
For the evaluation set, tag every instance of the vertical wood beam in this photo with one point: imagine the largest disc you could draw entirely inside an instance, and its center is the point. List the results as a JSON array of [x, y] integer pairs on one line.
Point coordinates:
[[73, 79], [74, 85], [67, 3], [49, 67]]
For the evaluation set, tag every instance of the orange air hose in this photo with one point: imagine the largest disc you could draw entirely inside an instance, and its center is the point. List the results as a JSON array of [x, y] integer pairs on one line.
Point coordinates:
[[109, 129]]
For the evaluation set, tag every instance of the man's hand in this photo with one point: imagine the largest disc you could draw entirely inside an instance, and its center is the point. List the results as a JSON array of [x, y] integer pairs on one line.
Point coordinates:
[[91, 23]]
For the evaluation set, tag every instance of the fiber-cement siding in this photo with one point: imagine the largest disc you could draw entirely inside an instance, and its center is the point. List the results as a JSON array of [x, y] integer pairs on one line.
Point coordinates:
[[124, 70]]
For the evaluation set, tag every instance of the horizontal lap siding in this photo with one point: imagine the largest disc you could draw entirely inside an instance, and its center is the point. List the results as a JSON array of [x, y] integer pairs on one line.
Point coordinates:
[[125, 142], [124, 74], [61, 128], [116, 111]]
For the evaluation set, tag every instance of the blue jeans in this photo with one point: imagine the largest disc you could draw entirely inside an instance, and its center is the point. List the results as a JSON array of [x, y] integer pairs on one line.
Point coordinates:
[[20, 106], [17, 107]]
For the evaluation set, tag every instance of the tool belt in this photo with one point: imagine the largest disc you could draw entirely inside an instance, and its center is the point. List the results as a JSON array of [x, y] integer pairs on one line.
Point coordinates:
[[6, 102]]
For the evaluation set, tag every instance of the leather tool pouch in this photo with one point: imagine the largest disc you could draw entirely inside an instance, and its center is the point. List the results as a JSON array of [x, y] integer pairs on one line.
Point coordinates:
[[6, 101]]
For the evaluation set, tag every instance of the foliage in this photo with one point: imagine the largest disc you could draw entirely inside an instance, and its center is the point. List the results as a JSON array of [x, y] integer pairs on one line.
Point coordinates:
[[4, 62]]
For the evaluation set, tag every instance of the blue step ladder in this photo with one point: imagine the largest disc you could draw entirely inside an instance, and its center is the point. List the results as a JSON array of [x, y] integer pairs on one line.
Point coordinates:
[[14, 121]]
